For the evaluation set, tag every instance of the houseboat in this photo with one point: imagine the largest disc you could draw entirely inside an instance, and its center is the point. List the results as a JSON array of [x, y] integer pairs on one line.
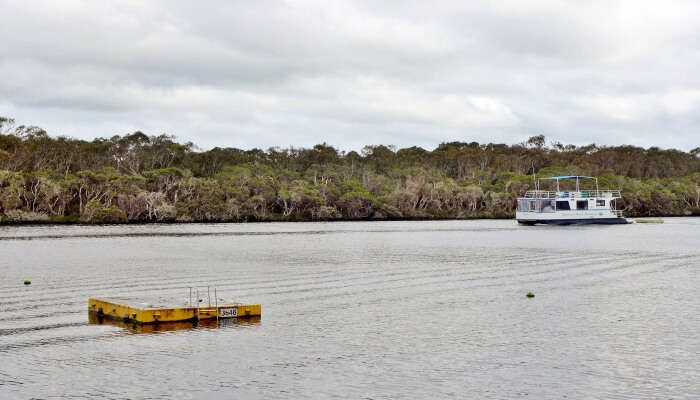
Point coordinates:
[[567, 207]]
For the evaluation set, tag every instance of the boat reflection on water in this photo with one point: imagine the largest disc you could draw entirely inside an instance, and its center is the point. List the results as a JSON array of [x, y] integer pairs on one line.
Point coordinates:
[[93, 319]]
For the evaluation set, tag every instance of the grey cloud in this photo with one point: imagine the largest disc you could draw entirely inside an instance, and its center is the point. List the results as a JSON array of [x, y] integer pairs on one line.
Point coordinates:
[[258, 74]]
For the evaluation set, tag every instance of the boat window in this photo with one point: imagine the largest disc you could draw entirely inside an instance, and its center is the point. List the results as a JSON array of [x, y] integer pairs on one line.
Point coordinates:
[[600, 203], [582, 205], [546, 206], [522, 205], [538, 205], [563, 205]]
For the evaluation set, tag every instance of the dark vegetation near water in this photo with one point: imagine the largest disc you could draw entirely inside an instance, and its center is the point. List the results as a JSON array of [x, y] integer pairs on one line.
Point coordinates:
[[141, 178]]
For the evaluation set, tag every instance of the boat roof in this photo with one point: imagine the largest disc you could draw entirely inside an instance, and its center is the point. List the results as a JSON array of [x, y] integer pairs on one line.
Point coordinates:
[[569, 177]]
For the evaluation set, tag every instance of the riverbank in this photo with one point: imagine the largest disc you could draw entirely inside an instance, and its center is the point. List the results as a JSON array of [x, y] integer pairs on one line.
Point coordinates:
[[75, 220]]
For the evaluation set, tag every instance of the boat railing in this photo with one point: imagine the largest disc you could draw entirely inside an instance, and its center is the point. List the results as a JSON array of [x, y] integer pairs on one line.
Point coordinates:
[[618, 213], [540, 194], [208, 309], [544, 194]]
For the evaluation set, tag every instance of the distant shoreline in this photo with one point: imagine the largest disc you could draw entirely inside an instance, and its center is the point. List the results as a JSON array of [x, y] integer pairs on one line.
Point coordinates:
[[142, 179], [269, 221]]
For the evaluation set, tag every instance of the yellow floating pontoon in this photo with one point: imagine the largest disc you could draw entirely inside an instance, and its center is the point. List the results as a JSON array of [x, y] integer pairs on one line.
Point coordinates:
[[152, 315], [135, 327]]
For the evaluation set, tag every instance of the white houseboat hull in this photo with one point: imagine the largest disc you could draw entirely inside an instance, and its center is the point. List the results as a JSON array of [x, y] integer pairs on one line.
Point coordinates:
[[569, 218]]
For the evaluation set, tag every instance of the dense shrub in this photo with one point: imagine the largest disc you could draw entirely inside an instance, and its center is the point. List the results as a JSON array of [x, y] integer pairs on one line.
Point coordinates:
[[140, 178]]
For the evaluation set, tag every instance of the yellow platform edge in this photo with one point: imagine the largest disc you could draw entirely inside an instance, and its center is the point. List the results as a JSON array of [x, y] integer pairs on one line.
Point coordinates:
[[112, 310]]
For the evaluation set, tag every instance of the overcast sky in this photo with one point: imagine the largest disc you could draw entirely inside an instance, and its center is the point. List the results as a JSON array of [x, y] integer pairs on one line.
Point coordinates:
[[259, 74]]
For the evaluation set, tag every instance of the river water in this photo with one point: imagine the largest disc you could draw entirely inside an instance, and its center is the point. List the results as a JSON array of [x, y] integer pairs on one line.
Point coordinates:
[[358, 310]]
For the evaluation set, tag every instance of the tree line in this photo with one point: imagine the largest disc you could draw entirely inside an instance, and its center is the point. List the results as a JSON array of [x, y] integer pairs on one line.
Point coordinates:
[[144, 178]]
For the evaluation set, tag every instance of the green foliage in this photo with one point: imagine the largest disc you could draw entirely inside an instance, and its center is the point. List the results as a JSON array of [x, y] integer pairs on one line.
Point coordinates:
[[65, 219], [141, 178], [95, 213]]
